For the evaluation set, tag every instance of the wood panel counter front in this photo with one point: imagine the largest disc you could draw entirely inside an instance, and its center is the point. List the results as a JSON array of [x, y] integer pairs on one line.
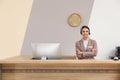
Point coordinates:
[[68, 68]]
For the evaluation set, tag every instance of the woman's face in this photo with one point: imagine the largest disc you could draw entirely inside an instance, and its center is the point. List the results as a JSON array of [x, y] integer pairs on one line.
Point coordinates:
[[85, 32]]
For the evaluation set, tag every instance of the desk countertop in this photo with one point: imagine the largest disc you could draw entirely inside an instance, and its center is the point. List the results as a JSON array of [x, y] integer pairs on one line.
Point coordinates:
[[65, 63], [67, 59]]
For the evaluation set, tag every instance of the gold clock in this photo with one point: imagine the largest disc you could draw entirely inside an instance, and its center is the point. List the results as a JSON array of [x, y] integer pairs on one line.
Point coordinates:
[[74, 20]]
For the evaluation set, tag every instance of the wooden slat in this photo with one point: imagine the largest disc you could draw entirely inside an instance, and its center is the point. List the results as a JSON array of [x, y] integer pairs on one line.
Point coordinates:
[[60, 76], [62, 66]]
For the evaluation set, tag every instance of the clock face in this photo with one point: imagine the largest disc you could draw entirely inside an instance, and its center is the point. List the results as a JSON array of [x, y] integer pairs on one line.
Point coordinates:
[[74, 20]]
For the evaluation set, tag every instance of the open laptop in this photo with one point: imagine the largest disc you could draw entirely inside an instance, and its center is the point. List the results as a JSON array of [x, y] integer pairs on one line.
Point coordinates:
[[46, 50]]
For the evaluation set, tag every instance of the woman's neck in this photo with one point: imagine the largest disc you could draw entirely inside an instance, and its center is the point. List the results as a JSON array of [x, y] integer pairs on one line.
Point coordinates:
[[85, 38]]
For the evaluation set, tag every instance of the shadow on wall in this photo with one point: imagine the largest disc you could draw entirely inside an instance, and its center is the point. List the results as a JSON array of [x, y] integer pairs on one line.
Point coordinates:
[[48, 23]]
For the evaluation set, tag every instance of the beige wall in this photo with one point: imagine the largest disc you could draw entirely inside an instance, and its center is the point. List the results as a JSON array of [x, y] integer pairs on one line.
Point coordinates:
[[14, 15]]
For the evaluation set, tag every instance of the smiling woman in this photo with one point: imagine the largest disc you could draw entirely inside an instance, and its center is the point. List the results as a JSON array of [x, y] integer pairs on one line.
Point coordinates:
[[86, 48]]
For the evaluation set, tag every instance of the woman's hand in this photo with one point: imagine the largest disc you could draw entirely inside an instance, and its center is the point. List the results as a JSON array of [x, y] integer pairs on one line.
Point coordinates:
[[94, 50], [79, 52]]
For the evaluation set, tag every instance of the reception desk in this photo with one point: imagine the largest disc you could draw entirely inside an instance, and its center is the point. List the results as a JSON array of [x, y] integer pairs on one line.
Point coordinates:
[[68, 68]]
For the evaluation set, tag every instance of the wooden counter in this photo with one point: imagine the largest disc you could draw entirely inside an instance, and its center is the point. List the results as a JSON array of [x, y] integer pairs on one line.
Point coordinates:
[[68, 68]]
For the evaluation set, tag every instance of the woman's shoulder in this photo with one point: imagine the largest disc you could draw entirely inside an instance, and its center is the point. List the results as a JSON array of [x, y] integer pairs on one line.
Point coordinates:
[[79, 41], [92, 40]]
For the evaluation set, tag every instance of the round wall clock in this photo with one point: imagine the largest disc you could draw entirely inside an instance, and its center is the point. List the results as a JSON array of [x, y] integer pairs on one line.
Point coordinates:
[[74, 20]]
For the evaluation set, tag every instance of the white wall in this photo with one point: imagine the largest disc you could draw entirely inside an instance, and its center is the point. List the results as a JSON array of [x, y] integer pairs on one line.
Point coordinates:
[[105, 26], [14, 15]]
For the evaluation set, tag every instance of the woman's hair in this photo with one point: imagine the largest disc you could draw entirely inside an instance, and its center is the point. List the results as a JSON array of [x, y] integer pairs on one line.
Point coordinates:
[[83, 28]]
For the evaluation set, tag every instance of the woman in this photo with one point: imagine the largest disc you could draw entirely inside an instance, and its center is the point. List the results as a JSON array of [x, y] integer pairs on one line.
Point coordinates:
[[86, 48]]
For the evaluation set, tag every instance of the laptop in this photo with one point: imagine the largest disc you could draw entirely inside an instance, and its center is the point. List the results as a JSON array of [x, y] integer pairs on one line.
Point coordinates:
[[46, 51]]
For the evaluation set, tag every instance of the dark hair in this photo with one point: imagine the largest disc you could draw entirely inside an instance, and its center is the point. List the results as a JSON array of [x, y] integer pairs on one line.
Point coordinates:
[[84, 27]]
